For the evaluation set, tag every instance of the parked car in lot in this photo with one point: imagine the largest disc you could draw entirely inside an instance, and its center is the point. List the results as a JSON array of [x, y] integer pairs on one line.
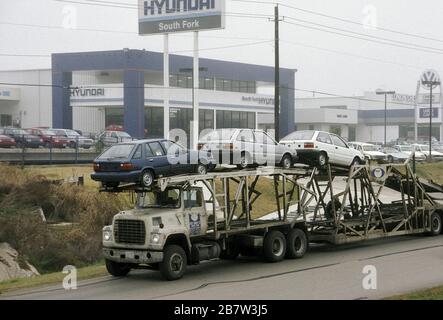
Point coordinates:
[[370, 151], [6, 141], [409, 150], [50, 138], [425, 150], [394, 155], [109, 138], [23, 138], [145, 160], [246, 147], [74, 138], [321, 148]]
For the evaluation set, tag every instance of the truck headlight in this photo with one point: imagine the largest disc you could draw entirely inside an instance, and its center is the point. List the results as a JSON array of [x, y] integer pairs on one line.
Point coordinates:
[[107, 234], [155, 238]]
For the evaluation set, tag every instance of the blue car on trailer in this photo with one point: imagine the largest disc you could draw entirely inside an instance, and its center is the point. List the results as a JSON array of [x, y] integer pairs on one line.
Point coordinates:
[[143, 161]]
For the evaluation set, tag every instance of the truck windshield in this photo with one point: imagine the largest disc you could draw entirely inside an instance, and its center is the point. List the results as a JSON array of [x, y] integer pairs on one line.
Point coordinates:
[[170, 198]]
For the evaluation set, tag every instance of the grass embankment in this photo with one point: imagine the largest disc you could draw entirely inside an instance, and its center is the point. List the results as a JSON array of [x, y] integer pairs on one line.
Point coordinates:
[[85, 273], [427, 294]]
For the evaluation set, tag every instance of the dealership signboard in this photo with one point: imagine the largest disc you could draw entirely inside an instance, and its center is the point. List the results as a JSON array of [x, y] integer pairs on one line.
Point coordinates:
[[169, 16], [424, 113]]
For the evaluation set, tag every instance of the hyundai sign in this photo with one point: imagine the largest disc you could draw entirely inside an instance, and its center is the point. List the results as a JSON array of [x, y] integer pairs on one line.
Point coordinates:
[[168, 16]]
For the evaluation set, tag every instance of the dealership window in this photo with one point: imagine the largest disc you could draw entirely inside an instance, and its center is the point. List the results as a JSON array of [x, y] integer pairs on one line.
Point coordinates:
[[206, 119], [180, 118], [154, 122], [235, 119], [206, 83], [114, 117], [352, 135], [235, 86], [5, 120]]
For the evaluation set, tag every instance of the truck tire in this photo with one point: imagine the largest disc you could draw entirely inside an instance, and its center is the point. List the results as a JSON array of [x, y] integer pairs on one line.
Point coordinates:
[[117, 269], [296, 244], [174, 262], [436, 227], [274, 246]]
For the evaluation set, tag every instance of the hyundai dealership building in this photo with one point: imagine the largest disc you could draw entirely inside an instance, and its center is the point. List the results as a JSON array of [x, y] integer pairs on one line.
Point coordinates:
[[90, 91]]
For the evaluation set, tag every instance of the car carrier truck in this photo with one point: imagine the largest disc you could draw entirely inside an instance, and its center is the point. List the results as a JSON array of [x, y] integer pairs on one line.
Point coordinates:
[[184, 220]]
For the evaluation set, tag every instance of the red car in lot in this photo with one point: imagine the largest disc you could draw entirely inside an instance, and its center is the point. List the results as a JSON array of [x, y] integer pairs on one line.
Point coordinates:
[[6, 142], [50, 138]]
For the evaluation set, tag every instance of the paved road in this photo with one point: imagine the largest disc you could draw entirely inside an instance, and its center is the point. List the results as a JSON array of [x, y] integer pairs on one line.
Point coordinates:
[[403, 264]]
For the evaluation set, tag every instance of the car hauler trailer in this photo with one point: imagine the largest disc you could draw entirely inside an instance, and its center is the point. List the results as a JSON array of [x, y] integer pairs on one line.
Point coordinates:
[[184, 220]]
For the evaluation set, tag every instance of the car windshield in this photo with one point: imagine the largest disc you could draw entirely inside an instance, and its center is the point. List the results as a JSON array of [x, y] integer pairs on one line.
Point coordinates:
[[72, 133], [19, 131], [48, 132], [120, 151], [219, 134], [123, 134], [406, 148], [370, 148], [170, 198], [300, 135]]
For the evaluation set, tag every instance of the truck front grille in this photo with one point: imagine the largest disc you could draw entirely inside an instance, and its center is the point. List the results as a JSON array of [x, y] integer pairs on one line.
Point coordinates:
[[129, 231]]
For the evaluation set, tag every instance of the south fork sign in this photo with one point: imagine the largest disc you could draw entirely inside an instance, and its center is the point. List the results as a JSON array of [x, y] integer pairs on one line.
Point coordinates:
[[169, 16]]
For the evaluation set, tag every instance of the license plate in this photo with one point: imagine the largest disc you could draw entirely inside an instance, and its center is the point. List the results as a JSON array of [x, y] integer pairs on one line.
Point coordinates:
[[129, 255]]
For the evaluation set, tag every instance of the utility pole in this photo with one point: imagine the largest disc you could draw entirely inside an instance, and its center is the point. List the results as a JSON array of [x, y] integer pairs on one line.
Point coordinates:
[[385, 93], [277, 76], [431, 84]]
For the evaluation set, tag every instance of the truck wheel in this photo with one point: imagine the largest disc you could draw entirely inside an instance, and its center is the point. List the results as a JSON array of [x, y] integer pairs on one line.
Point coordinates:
[[117, 269], [147, 178], [174, 262], [297, 244], [436, 227], [274, 246]]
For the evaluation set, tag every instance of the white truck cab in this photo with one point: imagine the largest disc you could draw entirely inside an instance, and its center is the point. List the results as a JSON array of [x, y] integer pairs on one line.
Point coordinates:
[[159, 229]]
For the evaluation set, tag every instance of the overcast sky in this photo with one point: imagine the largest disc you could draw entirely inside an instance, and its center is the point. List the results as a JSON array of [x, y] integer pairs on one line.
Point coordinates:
[[325, 61]]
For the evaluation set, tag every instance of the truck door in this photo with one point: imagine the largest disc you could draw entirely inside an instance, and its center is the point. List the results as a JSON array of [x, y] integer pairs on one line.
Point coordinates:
[[195, 212]]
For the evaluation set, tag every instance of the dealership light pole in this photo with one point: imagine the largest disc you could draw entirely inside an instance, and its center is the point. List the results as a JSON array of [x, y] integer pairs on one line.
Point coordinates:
[[195, 116], [385, 93], [431, 84]]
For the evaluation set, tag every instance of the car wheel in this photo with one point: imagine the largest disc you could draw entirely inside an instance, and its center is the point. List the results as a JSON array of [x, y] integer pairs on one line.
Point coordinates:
[[244, 161], [322, 159], [391, 159], [47, 145], [356, 161], [286, 162], [274, 246], [201, 169], [147, 178], [297, 244], [174, 262], [72, 145], [117, 269]]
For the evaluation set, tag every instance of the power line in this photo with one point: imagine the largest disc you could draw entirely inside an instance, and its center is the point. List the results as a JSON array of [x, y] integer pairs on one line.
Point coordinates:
[[401, 44], [360, 38], [358, 23], [320, 14], [362, 34]]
